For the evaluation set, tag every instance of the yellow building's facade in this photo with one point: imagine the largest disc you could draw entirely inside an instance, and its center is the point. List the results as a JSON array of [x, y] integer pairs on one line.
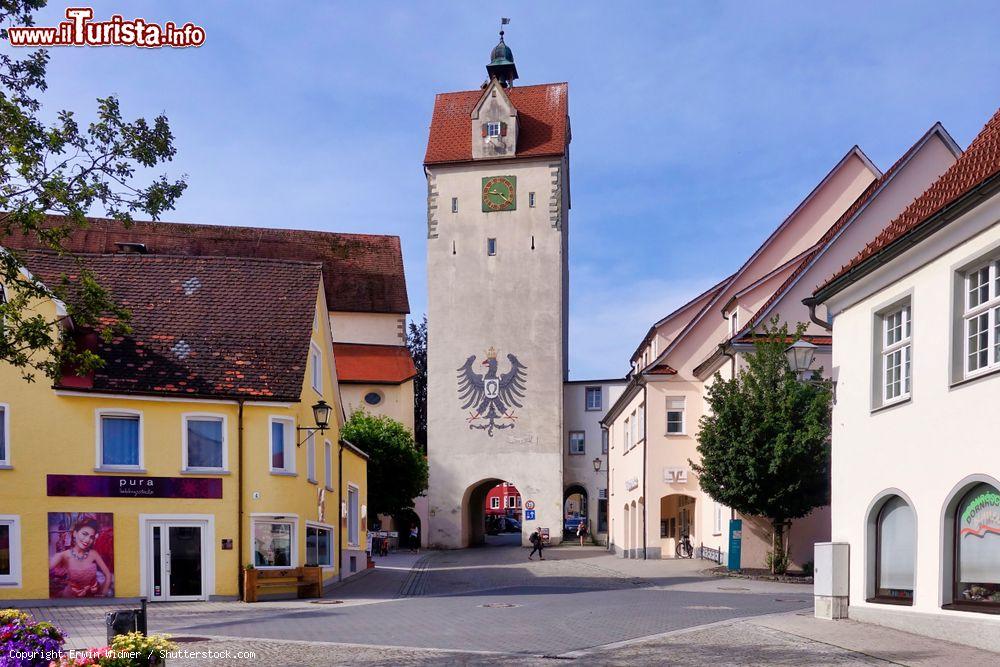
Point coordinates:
[[174, 528]]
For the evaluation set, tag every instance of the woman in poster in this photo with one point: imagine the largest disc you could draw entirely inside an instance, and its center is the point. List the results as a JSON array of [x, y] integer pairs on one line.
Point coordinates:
[[75, 570]]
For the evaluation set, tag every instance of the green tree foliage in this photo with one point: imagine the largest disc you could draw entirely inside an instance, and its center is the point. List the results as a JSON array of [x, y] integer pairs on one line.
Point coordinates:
[[765, 444], [397, 471], [416, 340], [62, 168]]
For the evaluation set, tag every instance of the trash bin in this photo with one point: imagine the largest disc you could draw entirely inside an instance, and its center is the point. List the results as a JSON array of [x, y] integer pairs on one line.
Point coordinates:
[[124, 621]]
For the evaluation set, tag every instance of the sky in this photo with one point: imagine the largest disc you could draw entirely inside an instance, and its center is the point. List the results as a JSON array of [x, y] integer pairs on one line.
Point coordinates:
[[697, 126]]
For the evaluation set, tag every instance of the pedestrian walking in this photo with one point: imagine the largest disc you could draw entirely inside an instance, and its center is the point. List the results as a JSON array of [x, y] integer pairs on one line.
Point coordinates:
[[581, 531], [536, 541], [414, 538]]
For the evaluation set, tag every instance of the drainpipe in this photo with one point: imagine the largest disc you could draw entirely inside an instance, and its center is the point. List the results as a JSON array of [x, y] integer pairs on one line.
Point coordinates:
[[645, 449], [340, 512], [811, 302], [239, 495], [732, 359]]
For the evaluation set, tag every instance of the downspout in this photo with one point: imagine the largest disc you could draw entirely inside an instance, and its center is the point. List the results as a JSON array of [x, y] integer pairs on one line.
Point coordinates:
[[239, 495], [732, 359], [645, 449], [811, 303], [340, 510]]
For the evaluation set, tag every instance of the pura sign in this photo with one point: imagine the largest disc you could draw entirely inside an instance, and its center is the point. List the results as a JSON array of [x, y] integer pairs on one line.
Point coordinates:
[[133, 486]]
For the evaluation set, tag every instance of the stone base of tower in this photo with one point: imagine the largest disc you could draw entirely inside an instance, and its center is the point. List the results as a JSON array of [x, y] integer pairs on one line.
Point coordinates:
[[457, 496]]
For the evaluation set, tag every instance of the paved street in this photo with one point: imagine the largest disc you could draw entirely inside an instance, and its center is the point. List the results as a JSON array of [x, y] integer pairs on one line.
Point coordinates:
[[477, 605]]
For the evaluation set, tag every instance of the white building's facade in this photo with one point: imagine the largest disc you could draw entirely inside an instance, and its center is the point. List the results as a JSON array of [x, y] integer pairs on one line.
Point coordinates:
[[916, 466]]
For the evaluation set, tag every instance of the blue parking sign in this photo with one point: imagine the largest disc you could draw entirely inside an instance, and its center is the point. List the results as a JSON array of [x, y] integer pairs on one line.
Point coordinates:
[[529, 515]]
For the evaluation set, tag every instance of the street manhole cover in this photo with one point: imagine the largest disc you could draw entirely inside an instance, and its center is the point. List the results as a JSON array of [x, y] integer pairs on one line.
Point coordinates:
[[188, 640], [706, 607], [327, 601], [731, 588], [499, 605]]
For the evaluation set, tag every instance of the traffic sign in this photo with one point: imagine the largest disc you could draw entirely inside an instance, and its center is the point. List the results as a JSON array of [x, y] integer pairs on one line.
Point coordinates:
[[530, 505], [529, 515]]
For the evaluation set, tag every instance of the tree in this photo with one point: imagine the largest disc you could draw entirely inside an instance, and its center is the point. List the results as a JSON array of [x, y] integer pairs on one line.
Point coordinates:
[[397, 472], [416, 340], [765, 444], [61, 168]]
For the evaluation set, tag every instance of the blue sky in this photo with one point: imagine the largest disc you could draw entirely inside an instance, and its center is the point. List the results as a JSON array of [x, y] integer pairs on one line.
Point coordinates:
[[697, 126]]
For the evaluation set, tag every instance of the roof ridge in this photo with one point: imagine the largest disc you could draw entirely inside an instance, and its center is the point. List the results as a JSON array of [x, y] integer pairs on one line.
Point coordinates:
[[172, 256]]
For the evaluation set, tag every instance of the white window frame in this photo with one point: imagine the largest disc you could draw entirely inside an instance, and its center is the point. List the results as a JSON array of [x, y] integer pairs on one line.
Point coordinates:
[[641, 426], [353, 540], [293, 521], [311, 459], [586, 398], [495, 502], [316, 367], [901, 347], [328, 463], [716, 518], [493, 130], [583, 443], [204, 416], [628, 431], [12, 580], [99, 414], [333, 544], [290, 448], [734, 322], [511, 504], [683, 412], [989, 308], [5, 430]]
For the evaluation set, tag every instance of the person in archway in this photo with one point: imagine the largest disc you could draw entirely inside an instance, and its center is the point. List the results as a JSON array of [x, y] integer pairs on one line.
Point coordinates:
[[414, 538], [536, 542], [581, 530]]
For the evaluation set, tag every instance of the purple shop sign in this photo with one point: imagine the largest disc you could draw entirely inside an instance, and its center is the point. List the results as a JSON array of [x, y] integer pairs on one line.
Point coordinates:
[[127, 486]]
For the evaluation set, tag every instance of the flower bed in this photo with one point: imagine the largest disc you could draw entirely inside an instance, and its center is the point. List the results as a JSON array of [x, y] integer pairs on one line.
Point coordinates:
[[25, 642]]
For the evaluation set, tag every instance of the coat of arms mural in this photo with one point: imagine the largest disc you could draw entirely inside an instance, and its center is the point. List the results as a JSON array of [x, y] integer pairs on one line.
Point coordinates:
[[491, 398]]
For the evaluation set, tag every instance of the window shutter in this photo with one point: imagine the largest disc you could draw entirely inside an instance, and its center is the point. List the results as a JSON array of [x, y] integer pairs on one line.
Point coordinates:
[[503, 129], [484, 130]]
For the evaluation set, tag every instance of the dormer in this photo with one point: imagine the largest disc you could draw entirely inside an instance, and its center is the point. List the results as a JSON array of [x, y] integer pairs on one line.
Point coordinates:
[[494, 124]]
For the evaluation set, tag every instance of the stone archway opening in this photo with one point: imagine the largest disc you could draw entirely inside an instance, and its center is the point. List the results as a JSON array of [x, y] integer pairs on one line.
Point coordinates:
[[677, 518], [492, 514], [575, 504]]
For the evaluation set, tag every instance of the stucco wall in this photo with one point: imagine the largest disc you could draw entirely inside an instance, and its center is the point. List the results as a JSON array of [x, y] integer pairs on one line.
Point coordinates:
[[369, 328], [397, 400]]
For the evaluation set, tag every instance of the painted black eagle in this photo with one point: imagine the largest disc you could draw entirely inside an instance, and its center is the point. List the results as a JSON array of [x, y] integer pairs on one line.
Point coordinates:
[[489, 397]]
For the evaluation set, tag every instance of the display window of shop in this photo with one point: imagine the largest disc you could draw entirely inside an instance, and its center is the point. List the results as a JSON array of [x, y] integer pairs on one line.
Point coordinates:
[[10, 550], [319, 545], [119, 440], [204, 443], [895, 552], [976, 573], [273, 543]]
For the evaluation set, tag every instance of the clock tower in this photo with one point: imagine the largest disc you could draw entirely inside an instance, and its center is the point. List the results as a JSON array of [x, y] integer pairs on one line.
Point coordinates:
[[497, 168]]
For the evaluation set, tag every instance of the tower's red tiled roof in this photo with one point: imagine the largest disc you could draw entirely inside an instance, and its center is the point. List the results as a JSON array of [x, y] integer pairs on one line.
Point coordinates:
[[542, 114], [362, 272], [388, 364], [979, 162], [218, 327]]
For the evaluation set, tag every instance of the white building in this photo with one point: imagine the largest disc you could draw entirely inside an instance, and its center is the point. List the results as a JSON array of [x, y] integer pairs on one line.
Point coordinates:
[[916, 357]]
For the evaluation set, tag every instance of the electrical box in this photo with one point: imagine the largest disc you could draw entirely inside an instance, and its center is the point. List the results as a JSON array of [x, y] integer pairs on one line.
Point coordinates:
[[831, 569]]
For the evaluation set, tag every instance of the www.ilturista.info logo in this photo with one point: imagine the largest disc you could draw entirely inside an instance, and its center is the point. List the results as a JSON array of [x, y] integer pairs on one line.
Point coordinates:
[[80, 30]]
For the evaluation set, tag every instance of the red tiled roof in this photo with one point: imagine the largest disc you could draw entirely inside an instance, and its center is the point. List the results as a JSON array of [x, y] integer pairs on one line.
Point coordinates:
[[809, 338], [979, 162], [362, 272], [660, 369], [200, 326], [390, 364], [542, 116]]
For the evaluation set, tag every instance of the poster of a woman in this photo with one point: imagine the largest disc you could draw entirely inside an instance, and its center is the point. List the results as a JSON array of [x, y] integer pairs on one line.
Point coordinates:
[[81, 555]]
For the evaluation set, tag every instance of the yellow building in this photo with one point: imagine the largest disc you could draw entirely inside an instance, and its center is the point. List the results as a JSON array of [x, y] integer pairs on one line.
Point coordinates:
[[189, 453]]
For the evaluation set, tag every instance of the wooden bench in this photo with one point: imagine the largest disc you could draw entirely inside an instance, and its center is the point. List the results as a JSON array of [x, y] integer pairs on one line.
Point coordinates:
[[308, 581]]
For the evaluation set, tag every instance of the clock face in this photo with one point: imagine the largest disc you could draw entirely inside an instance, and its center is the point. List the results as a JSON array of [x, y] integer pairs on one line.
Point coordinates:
[[499, 193]]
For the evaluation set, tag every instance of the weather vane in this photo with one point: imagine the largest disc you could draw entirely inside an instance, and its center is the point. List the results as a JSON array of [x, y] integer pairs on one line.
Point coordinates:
[[503, 21]]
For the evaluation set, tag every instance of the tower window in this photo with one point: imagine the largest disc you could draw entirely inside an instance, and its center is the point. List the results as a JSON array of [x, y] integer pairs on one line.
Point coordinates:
[[531, 200], [492, 129], [491, 247], [454, 204]]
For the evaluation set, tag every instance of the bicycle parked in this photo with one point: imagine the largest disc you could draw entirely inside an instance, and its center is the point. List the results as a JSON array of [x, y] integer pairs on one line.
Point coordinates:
[[684, 547]]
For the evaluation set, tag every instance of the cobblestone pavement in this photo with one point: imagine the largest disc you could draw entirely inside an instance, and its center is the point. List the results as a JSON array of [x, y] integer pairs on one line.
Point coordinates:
[[478, 606]]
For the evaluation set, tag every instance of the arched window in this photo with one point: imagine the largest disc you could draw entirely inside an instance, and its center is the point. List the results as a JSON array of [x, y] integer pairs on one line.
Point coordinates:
[[895, 552], [977, 554]]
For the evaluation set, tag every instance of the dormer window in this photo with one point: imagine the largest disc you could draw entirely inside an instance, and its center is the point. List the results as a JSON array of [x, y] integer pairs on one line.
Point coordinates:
[[734, 323], [492, 130]]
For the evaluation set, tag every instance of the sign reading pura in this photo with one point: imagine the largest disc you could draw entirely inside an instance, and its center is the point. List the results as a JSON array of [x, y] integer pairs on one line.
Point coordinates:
[[491, 399], [127, 486]]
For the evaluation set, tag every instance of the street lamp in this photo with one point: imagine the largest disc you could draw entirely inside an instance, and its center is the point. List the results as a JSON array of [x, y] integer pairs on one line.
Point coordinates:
[[597, 464], [321, 415], [800, 356]]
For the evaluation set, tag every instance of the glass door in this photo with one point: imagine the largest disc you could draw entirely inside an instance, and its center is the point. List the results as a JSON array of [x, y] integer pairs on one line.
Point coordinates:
[[177, 568]]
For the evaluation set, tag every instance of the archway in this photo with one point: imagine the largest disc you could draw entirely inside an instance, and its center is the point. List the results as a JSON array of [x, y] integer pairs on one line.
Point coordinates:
[[491, 513], [677, 518], [575, 504]]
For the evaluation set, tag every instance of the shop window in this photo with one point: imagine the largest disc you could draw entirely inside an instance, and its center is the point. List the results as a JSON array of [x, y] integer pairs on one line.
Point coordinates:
[[282, 445], [675, 415], [120, 439], [10, 550], [273, 543], [976, 574], [353, 516], [577, 442], [4, 435], [319, 546], [204, 443], [594, 398], [895, 552]]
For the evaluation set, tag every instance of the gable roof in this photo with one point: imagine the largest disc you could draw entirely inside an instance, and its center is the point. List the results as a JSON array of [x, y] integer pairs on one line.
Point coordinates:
[[845, 220], [362, 272], [199, 325], [380, 364], [543, 122], [979, 164]]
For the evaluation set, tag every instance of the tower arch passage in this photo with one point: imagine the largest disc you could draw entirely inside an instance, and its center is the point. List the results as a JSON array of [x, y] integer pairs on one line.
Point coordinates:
[[491, 513]]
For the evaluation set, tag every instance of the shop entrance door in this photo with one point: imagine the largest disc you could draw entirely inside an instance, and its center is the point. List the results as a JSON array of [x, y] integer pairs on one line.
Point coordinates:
[[177, 554]]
